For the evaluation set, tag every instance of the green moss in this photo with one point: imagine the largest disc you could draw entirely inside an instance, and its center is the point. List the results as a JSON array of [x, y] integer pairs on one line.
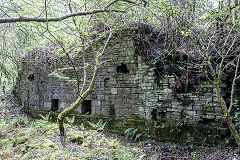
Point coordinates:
[[20, 140], [206, 109], [4, 142], [49, 143], [87, 144], [76, 139]]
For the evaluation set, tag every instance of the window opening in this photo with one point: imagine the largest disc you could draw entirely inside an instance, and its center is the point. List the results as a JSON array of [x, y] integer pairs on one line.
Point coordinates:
[[31, 77], [54, 105], [106, 80], [122, 69], [86, 107]]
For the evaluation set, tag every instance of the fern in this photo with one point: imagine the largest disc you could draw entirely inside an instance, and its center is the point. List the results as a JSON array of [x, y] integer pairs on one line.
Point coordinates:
[[70, 120], [45, 118], [99, 126], [128, 132], [138, 136], [133, 134]]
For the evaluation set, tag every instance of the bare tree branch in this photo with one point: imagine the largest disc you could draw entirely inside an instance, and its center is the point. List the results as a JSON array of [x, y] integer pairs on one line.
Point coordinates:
[[233, 85], [55, 19], [44, 8], [114, 1]]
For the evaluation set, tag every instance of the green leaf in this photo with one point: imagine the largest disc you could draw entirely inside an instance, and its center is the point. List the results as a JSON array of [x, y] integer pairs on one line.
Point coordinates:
[[138, 136]]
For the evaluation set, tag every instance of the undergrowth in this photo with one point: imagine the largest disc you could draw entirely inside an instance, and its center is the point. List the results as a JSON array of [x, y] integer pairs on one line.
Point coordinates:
[[21, 138]]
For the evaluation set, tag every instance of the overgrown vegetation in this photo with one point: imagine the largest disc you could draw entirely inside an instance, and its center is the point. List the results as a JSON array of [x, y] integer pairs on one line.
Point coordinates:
[[200, 42], [21, 138], [135, 135]]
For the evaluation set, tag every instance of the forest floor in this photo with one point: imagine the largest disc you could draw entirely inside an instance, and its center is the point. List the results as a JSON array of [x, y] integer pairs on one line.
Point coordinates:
[[39, 139], [22, 137], [175, 151]]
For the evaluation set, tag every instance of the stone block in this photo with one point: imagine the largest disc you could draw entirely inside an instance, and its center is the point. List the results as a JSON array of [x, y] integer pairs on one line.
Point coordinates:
[[175, 104], [96, 103], [127, 91], [161, 97], [153, 99], [111, 69], [166, 91], [172, 110], [218, 109], [55, 96], [150, 74], [149, 104], [93, 110], [114, 91], [171, 80], [165, 80], [117, 46], [191, 113], [134, 90], [209, 116], [47, 105], [141, 109], [197, 107], [150, 88]]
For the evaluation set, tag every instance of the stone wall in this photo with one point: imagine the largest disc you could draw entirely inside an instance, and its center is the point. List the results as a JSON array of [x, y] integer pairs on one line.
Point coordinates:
[[127, 85]]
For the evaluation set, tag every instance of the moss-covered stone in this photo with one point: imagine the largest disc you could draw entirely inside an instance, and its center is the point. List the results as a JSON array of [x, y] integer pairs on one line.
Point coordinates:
[[49, 143], [76, 139], [120, 124], [87, 144]]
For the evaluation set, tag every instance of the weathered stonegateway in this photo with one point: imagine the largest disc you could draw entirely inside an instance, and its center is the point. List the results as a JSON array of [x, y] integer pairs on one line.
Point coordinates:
[[126, 85]]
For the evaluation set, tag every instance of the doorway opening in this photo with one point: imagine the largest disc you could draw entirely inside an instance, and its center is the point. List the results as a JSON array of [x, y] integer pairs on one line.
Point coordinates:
[[54, 104], [86, 107]]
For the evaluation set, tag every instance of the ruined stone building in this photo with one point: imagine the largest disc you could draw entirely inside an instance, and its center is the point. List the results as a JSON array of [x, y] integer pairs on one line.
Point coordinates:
[[127, 85]]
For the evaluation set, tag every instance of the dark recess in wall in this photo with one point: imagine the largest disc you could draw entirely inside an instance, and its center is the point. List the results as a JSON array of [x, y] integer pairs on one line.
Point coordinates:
[[86, 107], [54, 104], [122, 69], [31, 77]]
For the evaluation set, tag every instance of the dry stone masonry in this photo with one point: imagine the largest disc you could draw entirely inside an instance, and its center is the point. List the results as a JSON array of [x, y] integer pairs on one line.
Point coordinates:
[[126, 85]]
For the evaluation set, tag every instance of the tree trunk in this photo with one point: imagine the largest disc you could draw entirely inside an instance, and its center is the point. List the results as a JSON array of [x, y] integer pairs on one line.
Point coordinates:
[[233, 129], [67, 111], [61, 127], [76, 104], [227, 115]]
